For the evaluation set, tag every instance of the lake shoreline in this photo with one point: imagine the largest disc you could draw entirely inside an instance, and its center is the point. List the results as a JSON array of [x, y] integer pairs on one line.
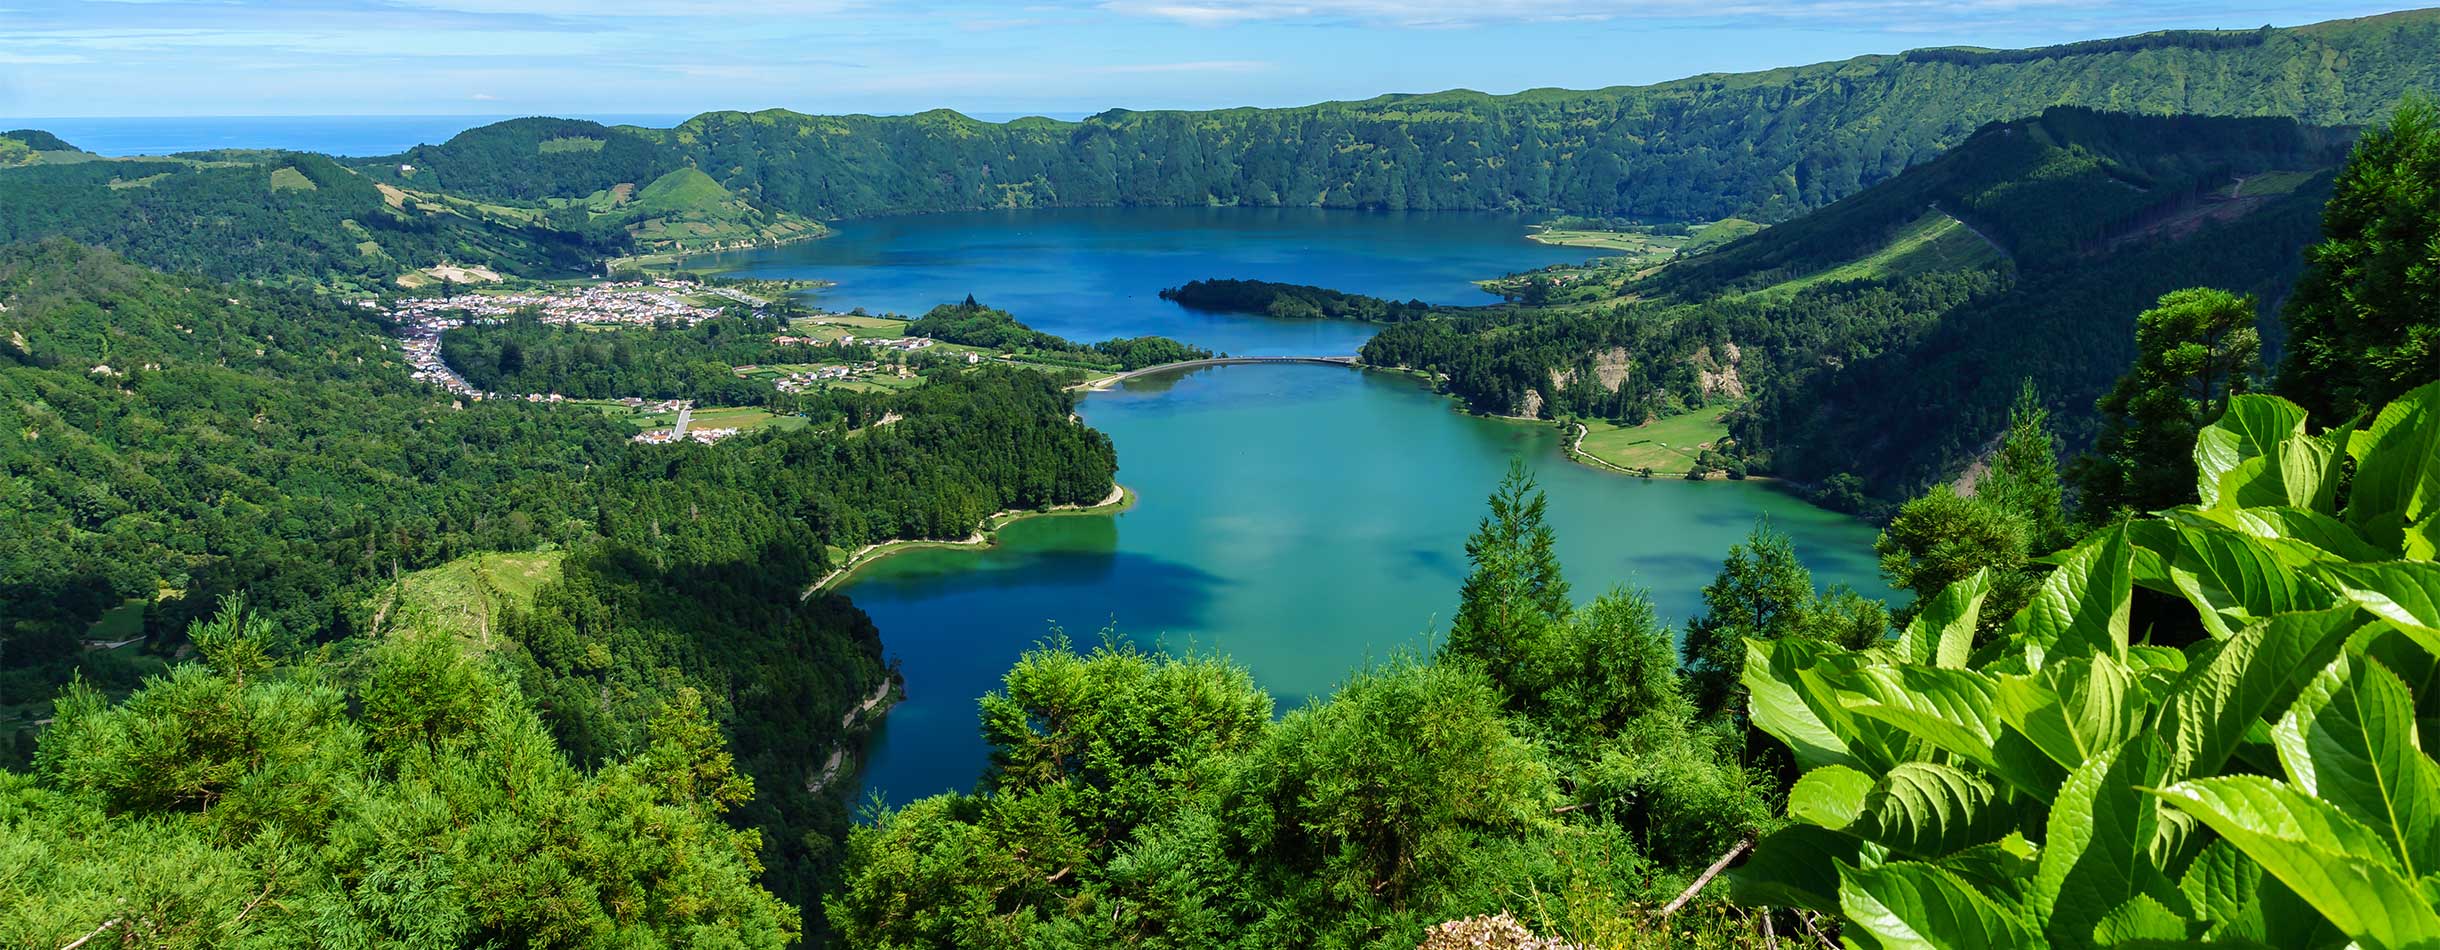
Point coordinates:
[[984, 538]]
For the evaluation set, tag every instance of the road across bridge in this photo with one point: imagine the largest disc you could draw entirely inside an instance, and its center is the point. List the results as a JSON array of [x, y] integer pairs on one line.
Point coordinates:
[[1107, 382]]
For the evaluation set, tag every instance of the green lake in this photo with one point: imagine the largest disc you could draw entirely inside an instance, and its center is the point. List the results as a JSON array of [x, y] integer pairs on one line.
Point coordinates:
[[1303, 520]]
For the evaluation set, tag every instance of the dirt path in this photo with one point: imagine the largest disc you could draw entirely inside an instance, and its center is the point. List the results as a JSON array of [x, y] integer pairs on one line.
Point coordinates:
[[1575, 450], [836, 765]]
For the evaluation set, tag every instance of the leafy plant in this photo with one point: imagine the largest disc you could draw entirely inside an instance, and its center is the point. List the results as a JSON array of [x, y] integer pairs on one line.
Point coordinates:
[[2244, 766]]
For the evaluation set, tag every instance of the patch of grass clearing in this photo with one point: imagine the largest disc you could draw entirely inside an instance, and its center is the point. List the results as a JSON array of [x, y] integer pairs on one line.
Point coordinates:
[[1666, 446]]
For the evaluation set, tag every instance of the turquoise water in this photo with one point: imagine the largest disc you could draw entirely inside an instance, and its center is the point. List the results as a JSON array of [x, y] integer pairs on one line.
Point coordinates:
[[1304, 520], [1090, 274]]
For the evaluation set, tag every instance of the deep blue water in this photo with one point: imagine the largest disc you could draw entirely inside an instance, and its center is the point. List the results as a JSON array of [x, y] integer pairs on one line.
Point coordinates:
[[1090, 274]]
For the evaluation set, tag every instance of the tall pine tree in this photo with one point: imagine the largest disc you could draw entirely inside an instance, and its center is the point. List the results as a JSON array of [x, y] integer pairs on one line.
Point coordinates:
[[1516, 592]]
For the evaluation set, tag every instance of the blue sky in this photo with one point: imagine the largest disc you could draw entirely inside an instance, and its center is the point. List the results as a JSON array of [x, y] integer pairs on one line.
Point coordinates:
[[497, 57]]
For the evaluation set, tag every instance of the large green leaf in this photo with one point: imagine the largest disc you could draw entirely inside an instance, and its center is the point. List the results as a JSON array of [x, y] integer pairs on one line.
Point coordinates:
[[1955, 711], [2298, 535], [2096, 854], [2082, 606], [1928, 809], [2000, 868], [2335, 458], [2074, 708], [1921, 907], [1942, 633], [2233, 579], [2343, 869], [2422, 542], [2142, 920], [1796, 866], [2223, 887], [2405, 593], [2240, 681], [2397, 468], [2350, 739], [1777, 705], [1830, 796], [2255, 430]]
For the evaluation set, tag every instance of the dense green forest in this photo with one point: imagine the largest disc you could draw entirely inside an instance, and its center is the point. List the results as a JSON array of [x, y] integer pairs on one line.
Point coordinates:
[[1767, 145], [973, 324], [172, 442], [398, 793], [1291, 301], [1884, 336], [285, 218]]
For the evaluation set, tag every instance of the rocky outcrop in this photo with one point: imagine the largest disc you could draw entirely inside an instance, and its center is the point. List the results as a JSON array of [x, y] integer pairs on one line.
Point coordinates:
[[1718, 377], [1610, 368]]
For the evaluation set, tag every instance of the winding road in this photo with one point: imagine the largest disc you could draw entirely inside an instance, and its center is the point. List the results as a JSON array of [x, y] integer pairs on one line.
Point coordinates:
[[1107, 382]]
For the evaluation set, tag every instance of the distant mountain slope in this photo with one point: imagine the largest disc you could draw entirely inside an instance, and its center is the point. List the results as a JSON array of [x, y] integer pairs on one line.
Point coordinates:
[[683, 211], [1885, 334], [40, 140], [277, 217], [1769, 144]]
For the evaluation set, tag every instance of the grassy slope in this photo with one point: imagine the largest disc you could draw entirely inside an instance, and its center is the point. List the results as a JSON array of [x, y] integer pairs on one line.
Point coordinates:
[[1934, 242], [461, 597]]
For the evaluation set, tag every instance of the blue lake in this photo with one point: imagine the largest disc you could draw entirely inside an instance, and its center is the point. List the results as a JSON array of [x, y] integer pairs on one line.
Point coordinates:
[[1090, 274]]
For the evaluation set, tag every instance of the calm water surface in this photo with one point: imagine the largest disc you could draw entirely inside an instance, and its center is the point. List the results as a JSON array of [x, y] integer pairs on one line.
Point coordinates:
[[1090, 274], [1304, 520]]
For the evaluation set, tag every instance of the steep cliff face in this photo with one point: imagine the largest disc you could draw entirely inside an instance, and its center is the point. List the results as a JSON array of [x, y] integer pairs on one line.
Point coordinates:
[[1718, 375]]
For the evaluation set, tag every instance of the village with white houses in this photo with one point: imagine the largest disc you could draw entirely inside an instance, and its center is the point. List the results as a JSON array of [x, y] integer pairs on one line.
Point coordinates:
[[420, 322]]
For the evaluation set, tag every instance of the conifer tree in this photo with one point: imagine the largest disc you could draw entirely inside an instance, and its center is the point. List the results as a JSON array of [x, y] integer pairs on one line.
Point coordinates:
[[2194, 352], [1516, 592], [1762, 592], [2024, 478], [2364, 323]]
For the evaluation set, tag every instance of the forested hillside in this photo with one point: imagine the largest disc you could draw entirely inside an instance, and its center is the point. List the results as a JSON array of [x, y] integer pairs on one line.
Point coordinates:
[[1886, 335], [280, 218], [1767, 145], [169, 443], [301, 219]]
